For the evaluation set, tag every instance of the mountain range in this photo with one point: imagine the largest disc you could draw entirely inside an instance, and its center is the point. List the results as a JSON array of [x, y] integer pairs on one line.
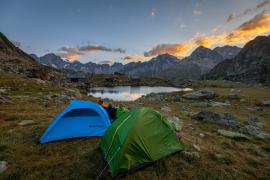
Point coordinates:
[[201, 61], [251, 64]]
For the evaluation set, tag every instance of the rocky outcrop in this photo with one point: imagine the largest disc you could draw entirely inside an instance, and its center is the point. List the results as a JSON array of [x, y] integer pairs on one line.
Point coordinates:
[[201, 94], [216, 118], [231, 134], [254, 131]]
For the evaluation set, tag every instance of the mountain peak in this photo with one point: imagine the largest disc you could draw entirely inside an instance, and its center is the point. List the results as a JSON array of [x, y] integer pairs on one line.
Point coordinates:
[[165, 57], [201, 49], [228, 52], [202, 52], [251, 65]]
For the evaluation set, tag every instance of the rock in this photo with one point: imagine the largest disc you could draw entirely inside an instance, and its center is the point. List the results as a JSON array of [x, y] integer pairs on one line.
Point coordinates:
[[201, 94], [211, 117], [254, 131], [152, 97], [254, 121], [25, 122], [176, 122], [5, 99], [3, 166], [202, 135], [39, 81], [233, 96], [196, 147], [190, 155], [166, 109], [61, 98], [219, 104], [201, 105], [231, 134], [2, 90], [265, 103]]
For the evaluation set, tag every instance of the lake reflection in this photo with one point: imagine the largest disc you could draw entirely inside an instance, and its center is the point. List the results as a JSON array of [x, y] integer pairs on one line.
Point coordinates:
[[129, 93]]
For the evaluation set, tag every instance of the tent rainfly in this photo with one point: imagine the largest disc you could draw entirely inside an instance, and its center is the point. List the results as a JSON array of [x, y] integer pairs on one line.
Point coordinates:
[[138, 138], [79, 119]]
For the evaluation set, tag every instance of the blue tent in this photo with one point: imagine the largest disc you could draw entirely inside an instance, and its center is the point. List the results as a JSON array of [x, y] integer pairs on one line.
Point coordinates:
[[79, 119]]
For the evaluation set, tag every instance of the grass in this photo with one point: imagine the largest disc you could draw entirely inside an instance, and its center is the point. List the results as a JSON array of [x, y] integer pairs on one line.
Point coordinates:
[[220, 157]]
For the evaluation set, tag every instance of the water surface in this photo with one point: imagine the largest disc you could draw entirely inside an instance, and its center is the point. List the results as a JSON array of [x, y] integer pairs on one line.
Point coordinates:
[[130, 93]]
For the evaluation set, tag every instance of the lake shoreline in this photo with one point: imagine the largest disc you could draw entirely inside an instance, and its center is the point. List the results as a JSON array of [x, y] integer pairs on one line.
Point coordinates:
[[130, 93]]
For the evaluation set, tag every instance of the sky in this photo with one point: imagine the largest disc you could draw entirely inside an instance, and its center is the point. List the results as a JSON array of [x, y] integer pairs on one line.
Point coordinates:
[[107, 31]]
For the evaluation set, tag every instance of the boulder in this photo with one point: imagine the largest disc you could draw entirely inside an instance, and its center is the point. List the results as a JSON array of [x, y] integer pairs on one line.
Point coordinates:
[[191, 155], [254, 131], [217, 118], [2, 90], [25, 122], [196, 147], [201, 104], [231, 134], [5, 99], [232, 96], [3, 166], [201, 94], [202, 135], [219, 104], [152, 97], [254, 121], [166, 109], [265, 103]]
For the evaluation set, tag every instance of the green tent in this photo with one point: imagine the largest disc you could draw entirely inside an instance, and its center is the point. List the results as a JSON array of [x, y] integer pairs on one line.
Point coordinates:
[[138, 137]]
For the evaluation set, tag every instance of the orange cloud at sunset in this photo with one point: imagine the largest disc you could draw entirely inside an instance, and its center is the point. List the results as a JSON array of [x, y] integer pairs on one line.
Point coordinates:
[[258, 25]]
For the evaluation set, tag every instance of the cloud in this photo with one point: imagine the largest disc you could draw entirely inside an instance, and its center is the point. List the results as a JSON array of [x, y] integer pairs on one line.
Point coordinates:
[[260, 6], [258, 25], [153, 12], [183, 25], [230, 17], [216, 29], [197, 12], [135, 58], [263, 4], [106, 62], [75, 53]]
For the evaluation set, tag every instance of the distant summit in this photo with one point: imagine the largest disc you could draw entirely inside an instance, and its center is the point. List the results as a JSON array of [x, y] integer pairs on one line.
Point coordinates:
[[228, 52], [205, 58]]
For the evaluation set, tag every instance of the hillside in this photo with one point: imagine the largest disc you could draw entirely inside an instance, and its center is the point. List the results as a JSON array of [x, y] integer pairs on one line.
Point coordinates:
[[14, 60], [251, 65]]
